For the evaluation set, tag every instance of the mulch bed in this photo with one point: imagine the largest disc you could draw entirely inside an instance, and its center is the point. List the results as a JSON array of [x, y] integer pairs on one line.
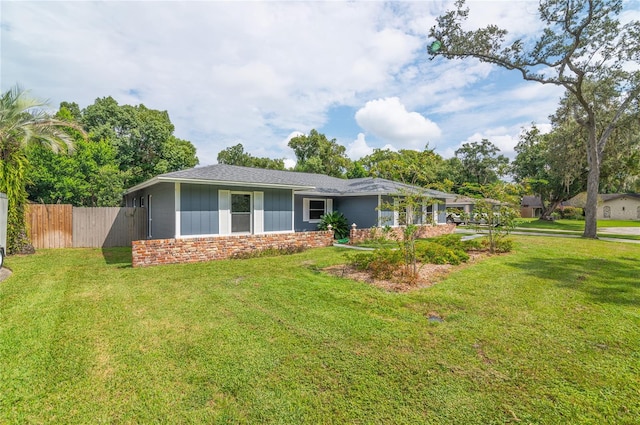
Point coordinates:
[[428, 274]]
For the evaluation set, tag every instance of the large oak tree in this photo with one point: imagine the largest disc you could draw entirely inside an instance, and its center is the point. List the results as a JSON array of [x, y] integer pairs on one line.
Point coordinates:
[[582, 43]]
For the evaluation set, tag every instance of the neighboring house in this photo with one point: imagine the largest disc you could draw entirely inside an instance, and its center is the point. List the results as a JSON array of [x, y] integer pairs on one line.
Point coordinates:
[[230, 200], [460, 203], [531, 207], [615, 206]]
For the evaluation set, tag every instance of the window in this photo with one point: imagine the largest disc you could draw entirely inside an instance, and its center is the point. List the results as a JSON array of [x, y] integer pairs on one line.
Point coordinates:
[[314, 209], [240, 213], [607, 212]]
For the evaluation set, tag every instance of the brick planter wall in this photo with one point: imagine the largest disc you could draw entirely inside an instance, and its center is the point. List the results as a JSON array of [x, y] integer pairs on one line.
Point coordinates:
[[193, 250], [426, 231]]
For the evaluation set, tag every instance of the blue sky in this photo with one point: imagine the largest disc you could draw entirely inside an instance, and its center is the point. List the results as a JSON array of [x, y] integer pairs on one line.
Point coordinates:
[[258, 73]]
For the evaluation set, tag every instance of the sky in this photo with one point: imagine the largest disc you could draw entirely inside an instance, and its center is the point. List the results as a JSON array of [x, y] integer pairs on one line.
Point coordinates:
[[259, 73]]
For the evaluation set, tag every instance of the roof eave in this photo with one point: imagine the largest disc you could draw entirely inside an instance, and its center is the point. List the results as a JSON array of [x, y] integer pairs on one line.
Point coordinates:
[[160, 179], [371, 193]]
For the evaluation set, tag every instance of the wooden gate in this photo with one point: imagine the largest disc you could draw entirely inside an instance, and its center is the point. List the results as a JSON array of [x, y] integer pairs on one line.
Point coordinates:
[[50, 225], [64, 226]]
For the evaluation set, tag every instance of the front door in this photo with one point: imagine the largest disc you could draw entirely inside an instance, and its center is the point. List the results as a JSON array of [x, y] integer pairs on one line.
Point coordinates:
[[240, 213]]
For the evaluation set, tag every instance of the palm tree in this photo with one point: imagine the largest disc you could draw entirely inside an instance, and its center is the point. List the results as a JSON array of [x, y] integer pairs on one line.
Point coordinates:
[[23, 120]]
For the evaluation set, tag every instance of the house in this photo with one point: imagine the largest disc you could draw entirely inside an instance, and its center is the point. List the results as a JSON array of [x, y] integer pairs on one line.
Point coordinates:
[[460, 204], [228, 200], [222, 211], [614, 206], [531, 207]]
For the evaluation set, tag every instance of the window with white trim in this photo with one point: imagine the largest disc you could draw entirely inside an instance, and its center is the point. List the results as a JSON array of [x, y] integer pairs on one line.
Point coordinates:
[[314, 209]]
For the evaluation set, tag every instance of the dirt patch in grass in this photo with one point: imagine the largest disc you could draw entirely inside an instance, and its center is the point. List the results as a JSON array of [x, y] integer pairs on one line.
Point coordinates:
[[428, 274]]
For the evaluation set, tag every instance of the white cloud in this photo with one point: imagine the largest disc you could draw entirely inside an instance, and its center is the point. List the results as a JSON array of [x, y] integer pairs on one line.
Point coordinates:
[[505, 138], [359, 148], [389, 120], [254, 72]]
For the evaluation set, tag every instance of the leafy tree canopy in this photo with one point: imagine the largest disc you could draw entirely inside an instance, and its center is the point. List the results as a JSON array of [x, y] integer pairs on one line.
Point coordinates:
[[316, 154], [143, 139], [421, 168], [126, 145], [480, 162], [236, 155]]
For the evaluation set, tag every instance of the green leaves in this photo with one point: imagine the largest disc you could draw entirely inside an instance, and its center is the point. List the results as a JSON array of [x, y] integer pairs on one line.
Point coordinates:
[[23, 122], [338, 223], [235, 155], [316, 154]]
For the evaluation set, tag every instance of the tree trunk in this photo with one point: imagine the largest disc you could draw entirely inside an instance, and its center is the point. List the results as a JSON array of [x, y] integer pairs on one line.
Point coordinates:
[[593, 185], [548, 210]]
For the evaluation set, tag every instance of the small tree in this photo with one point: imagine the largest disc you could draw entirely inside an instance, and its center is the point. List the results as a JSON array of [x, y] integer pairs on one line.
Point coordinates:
[[495, 214], [410, 209]]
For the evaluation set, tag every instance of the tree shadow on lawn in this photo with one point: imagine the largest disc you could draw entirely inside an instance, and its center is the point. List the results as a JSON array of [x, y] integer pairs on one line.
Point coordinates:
[[604, 280], [118, 256]]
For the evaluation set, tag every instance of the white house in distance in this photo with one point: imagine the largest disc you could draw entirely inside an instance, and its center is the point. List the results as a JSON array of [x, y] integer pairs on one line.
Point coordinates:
[[612, 206]]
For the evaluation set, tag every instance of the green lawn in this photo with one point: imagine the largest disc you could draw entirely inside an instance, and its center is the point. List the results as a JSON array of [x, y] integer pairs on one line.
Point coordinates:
[[547, 334]]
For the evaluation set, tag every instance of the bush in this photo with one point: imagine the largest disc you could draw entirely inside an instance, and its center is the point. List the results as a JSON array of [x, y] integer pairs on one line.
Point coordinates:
[[450, 241], [572, 213], [269, 252], [435, 253], [338, 223], [501, 245], [381, 263], [456, 243], [475, 244]]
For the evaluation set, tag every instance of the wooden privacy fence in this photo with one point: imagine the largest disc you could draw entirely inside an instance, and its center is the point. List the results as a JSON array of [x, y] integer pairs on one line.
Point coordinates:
[[65, 226]]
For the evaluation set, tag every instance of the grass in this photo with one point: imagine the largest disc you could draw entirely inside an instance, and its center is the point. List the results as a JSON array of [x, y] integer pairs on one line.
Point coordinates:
[[547, 334], [572, 225]]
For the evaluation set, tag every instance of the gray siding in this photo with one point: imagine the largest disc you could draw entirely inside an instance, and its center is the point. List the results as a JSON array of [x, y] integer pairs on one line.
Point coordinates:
[[162, 210], [277, 210], [198, 209], [360, 210]]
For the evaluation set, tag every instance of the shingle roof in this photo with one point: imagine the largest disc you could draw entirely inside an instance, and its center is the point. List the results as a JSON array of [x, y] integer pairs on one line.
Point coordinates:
[[581, 199], [531, 201], [306, 182], [610, 196]]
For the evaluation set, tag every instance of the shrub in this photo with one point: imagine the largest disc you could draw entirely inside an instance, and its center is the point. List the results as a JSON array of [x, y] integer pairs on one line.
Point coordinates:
[[450, 241], [501, 245], [435, 253], [338, 223], [475, 244], [572, 213], [455, 242], [504, 245], [269, 252], [381, 263]]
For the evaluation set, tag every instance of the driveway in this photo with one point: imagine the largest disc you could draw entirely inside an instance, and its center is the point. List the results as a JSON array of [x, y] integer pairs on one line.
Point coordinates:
[[634, 231], [550, 233], [4, 273]]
